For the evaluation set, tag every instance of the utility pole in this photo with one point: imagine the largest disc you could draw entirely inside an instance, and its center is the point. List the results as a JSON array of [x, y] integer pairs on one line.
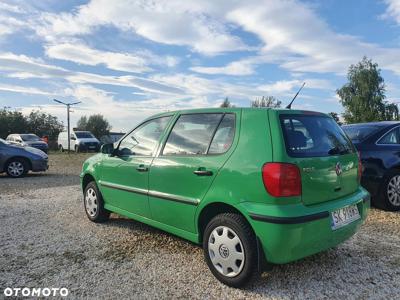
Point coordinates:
[[68, 105]]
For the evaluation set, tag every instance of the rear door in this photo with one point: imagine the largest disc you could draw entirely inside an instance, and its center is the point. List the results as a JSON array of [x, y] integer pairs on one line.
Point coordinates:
[[327, 160], [196, 148]]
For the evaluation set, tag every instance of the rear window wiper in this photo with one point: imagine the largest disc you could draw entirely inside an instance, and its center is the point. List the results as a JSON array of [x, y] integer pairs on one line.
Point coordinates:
[[338, 151]]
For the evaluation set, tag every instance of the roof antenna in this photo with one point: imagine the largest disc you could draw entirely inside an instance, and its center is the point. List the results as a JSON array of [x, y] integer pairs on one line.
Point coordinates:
[[290, 104]]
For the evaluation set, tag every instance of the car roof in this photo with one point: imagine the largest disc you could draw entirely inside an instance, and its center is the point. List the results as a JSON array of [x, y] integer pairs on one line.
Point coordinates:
[[232, 109], [377, 124]]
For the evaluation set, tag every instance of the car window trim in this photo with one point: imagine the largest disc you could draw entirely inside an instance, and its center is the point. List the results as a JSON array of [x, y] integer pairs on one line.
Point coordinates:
[[383, 135], [144, 122], [161, 154]]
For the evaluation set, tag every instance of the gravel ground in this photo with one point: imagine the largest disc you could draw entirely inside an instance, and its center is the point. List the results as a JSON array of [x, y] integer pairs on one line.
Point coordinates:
[[47, 241]]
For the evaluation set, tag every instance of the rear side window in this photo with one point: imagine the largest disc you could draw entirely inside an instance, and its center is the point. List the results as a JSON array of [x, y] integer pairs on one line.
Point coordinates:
[[391, 138], [313, 135], [200, 134], [224, 135]]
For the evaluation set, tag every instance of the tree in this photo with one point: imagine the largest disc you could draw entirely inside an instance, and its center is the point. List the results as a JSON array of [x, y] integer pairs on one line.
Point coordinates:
[[12, 121], [335, 116], [226, 103], [42, 124], [269, 101], [364, 93], [96, 124], [82, 123]]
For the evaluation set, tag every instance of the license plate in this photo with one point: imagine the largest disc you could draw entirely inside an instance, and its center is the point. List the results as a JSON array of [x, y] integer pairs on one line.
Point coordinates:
[[344, 216], [92, 147]]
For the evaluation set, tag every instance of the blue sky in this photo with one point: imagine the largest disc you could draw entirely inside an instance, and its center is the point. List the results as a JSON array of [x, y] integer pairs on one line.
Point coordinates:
[[131, 59]]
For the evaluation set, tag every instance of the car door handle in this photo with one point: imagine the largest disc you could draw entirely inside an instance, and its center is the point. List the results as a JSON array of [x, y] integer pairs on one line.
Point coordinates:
[[201, 172], [142, 168]]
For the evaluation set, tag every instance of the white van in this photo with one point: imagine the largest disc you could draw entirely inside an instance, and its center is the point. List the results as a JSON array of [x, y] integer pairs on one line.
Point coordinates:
[[80, 141]]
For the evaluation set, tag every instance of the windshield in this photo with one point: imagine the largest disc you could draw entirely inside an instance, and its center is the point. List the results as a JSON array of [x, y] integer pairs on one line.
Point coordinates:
[[29, 137], [314, 135], [358, 133], [83, 135]]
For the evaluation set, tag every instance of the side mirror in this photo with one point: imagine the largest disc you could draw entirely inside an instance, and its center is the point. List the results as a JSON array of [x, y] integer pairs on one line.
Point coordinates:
[[107, 148], [73, 138]]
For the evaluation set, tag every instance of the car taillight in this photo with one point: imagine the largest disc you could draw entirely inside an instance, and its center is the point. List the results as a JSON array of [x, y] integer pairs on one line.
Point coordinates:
[[282, 179], [359, 167]]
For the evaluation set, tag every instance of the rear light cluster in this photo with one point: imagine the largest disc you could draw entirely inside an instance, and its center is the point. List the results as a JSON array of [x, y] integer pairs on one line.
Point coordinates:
[[282, 179], [359, 167]]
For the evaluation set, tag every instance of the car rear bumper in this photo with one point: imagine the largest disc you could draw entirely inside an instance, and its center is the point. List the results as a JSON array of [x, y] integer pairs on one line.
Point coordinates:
[[40, 165], [291, 232]]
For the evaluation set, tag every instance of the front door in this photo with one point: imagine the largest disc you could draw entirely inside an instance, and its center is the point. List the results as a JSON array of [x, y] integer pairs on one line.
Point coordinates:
[[180, 176], [124, 176]]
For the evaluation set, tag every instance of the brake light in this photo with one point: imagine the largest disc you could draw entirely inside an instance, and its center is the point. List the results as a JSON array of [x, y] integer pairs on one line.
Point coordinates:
[[282, 179], [359, 173]]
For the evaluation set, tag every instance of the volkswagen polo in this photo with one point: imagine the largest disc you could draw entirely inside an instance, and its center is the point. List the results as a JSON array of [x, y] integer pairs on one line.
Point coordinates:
[[252, 186]]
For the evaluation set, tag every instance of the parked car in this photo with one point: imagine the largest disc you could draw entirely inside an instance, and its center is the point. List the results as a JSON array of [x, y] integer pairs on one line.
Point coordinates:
[[251, 185], [379, 147], [80, 141], [31, 140], [18, 160]]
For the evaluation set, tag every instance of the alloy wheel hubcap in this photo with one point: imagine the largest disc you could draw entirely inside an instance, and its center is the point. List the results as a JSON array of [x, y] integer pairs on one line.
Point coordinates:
[[91, 202], [226, 251], [16, 168], [393, 190]]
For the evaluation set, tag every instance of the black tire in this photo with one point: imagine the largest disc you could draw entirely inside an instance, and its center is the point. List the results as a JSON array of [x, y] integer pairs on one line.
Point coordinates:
[[100, 214], [20, 164], [244, 232], [61, 148], [383, 201], [77, 149]]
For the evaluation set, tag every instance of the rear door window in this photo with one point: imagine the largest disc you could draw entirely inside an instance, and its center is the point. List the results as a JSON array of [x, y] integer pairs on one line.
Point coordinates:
[[313, 135], [192, 134]]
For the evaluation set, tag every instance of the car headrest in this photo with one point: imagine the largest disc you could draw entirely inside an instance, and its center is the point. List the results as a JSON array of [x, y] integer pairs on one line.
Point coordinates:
[[297, 139]]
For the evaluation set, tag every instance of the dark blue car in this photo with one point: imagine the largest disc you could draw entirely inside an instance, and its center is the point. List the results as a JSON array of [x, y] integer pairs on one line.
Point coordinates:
[[379, 146]]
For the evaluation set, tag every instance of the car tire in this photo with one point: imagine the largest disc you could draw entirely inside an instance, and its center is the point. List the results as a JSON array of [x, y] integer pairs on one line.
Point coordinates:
[[16, 167], [227, 236], [77, 149], [61, 148], [389, 195], [94, 204]]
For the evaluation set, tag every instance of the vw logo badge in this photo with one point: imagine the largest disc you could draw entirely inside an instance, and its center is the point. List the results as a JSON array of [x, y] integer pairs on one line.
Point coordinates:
[[338, 169]]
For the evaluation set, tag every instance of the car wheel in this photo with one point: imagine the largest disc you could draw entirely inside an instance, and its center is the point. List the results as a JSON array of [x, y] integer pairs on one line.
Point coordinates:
[[94, 204], [16, 168], [61, 148], [230, 249], [77, 149], [390, 193]]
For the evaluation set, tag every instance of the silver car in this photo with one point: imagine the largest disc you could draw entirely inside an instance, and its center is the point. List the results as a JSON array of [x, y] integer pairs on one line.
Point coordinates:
[[17, 160], [28, 139]]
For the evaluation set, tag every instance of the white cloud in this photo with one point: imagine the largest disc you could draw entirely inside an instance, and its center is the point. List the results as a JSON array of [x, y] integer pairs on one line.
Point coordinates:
[[82, 54], [285, 86], [242, 68], [23, 89], [392, 11], [168, 22]]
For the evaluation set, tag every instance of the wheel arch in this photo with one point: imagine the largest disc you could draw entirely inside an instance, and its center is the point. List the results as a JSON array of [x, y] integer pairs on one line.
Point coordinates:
[[210, 210], [86, 179], [25, 159]]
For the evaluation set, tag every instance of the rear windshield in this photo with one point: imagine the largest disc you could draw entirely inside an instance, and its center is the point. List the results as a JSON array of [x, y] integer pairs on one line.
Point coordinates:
[[358, 133], [314, 135], [83, 135], [30, 137]]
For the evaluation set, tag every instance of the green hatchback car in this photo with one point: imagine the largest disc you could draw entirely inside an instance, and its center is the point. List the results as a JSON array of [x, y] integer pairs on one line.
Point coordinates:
[[253, 186]]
